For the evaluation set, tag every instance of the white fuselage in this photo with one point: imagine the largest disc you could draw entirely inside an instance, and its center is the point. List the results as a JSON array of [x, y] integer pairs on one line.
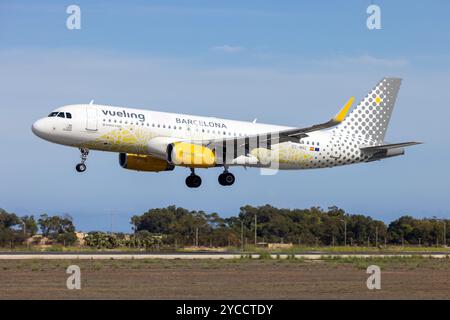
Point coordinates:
[[144, 132]]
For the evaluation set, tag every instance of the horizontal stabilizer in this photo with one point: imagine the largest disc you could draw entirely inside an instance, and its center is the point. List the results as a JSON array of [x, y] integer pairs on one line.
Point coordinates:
[[389, 146]]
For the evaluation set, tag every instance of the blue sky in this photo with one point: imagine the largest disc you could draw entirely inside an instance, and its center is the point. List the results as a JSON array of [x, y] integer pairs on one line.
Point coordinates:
[[290, 62]]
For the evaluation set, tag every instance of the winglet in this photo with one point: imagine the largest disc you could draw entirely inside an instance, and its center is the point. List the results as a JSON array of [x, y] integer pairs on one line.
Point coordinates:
[[343, 112]]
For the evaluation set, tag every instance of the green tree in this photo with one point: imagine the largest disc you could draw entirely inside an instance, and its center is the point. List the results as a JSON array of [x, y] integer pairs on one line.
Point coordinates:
[[58, 228]]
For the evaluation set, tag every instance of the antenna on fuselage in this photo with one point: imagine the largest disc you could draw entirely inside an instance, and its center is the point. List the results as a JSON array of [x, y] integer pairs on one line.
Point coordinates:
[[92, 101], [254, 121]]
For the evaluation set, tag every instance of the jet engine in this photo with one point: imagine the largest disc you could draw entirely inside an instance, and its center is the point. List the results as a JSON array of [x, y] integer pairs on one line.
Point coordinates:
[[190, 155], [143, 163]]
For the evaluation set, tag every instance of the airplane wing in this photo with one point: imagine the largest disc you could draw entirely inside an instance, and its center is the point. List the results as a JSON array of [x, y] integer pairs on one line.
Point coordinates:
[[267, 139], [297, 134]]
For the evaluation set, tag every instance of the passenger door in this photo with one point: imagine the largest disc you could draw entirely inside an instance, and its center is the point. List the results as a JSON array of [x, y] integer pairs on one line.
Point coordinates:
[[91, 118]]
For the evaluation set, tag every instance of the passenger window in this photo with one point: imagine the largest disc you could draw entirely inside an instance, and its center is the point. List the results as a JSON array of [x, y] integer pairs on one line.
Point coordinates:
[[68, 115]]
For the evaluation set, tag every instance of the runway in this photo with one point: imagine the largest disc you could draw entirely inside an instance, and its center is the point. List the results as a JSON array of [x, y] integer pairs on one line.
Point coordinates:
[[206, 255]]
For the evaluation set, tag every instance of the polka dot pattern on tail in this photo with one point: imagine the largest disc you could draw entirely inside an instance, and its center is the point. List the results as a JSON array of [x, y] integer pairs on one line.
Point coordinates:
[[370, 119]]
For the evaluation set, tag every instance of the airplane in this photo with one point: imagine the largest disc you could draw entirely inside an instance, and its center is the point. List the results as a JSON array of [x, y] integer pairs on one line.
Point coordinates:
[[159, 141]]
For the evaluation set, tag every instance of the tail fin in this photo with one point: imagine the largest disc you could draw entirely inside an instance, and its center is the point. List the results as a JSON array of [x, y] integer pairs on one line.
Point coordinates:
[[371, 116]]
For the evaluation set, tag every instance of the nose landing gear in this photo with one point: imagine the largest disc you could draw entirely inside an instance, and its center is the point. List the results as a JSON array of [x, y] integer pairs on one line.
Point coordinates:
[[193, 180], [81, 167], [226, 178]]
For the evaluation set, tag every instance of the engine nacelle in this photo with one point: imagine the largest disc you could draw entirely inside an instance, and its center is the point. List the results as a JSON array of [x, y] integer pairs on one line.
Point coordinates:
[[190, 155], [143, 163]]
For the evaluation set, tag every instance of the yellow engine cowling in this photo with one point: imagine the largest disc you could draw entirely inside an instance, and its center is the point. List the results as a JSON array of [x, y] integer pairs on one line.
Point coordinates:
[[190, 155], [143, 163]]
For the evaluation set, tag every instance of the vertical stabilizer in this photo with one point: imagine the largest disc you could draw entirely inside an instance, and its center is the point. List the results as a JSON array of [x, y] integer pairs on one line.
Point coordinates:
[[370, 119]]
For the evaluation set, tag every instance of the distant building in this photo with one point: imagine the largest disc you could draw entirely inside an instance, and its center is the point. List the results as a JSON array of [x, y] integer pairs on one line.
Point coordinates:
[[38, 239], [274, 245], [80, 237]]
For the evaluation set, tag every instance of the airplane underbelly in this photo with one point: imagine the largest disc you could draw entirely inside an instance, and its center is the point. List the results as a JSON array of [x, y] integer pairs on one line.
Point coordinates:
[[122, 139], [292, 155], [285, 155]]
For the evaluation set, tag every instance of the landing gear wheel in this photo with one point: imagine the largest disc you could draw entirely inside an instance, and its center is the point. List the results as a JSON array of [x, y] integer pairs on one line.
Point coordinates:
[[193, 181], [81, 167], [226, 179]]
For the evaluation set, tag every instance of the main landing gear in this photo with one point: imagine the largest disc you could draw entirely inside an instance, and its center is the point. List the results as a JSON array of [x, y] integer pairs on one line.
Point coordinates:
[[81, 167], [226, 178], [193, 180]]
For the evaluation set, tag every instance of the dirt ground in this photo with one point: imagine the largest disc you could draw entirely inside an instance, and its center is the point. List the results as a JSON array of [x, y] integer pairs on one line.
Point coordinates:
[[225, 279]]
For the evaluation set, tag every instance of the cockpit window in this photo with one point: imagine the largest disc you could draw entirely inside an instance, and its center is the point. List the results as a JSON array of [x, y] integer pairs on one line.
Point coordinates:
[[61, 115]]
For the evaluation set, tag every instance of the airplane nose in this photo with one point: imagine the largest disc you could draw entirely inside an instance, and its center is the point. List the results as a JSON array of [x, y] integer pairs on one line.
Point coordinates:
[[39, 128]]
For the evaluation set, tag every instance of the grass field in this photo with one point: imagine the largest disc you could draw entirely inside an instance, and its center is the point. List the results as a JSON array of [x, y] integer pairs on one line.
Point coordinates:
[[401, 278]]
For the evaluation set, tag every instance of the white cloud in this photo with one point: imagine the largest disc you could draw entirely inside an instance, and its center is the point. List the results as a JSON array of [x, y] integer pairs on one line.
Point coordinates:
[[363, 61], [228, 48], [368, 59]]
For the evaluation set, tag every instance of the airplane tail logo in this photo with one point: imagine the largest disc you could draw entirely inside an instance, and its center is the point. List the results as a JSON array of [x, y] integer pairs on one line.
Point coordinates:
[[371, 116]]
